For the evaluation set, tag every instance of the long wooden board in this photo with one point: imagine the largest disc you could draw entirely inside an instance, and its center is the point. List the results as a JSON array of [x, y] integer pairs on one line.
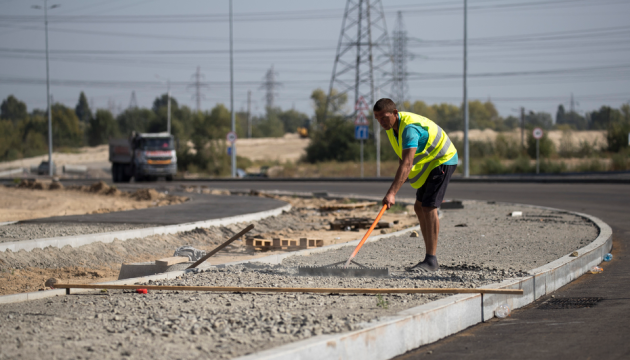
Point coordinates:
[[301, 290]]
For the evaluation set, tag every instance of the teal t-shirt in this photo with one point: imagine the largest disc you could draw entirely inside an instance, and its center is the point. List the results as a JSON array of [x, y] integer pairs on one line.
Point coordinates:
[[415, 136]]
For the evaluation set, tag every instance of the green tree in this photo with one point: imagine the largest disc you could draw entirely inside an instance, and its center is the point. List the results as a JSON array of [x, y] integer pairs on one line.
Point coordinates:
[[82, 110], [9, 141], [602, 118], [13, 109], [292, 119], [136, 119], [483, 115], [335, 106], [546, 146], [538, 119], [162, 102], [334, 140], [421, 108], [560, 114], [66, 128], [448, 116], [101, 128], [618, 131]]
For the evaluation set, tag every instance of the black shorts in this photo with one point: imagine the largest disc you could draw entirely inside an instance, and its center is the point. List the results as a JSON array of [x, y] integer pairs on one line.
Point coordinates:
[[432, 192]]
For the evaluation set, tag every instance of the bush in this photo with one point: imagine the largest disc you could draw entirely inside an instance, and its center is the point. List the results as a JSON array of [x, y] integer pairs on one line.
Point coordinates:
[[546, 146], [506, 148], [617, 136], [593, 165], [522, 166], [491, 166], [552, 167], [619, 161]]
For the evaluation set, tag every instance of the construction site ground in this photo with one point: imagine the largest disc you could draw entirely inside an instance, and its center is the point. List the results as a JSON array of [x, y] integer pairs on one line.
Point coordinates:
[[479, 244], [25, 271]]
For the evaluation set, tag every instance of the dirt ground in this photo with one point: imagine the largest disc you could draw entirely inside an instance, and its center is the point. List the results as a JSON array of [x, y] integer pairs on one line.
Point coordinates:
[[24, 271], [593, 137], [32, 200], [480, 244]]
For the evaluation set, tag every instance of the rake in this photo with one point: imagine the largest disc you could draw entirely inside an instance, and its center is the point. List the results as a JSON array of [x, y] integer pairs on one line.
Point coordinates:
[[346, 270]]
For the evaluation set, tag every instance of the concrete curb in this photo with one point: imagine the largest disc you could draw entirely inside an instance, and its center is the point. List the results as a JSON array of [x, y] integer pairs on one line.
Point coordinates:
[[430, 322], [108, 237]]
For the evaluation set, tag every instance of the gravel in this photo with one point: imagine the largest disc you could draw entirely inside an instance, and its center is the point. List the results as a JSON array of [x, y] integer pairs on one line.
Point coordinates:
[[26, 231], [161, 324]]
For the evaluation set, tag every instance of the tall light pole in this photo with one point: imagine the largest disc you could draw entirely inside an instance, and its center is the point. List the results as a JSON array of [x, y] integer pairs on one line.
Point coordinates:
[[50, 160], [232, 96], [466, 147]]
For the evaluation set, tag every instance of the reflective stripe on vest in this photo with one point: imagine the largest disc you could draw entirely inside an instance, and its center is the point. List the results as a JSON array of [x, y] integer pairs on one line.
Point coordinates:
[[424, 161]]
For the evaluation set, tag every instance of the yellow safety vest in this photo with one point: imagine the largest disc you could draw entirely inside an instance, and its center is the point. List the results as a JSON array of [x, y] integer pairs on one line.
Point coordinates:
[[438, 150]]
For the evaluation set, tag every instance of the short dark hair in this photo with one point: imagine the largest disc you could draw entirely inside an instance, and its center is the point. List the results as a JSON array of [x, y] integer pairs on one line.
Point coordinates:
[[385, 104]]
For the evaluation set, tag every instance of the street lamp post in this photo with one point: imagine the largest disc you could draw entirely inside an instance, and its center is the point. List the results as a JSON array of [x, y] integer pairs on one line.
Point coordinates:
[[50, 160], [232, 94]]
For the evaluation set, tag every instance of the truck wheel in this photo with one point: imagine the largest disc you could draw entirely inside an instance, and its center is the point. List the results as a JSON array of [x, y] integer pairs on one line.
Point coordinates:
[[169, 178], [115, 174]]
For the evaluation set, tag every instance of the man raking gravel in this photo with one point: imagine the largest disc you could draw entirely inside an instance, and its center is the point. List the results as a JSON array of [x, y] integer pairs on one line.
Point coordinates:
[[428, 158]]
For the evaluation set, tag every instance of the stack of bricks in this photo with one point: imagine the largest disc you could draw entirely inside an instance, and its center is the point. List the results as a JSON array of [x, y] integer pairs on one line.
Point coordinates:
[[282, 244]]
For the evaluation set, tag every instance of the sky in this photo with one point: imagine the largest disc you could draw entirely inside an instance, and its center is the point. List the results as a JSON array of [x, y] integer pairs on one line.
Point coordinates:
[[521, 53]]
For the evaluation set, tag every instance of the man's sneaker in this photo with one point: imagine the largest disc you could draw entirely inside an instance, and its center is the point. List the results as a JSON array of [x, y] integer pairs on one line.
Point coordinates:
[[423, 266]]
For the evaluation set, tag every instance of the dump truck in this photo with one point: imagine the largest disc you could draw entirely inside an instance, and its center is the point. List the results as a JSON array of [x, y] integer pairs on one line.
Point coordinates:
[[143, 156]]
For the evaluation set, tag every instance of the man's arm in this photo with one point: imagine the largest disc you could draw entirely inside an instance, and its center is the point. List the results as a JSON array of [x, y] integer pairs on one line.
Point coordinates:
[[402, 173]]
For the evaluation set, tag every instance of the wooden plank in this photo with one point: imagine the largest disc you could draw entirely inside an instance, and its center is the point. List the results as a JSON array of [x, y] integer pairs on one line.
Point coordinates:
[[301, 290], [346, 206], [216, 250], [171, 260]]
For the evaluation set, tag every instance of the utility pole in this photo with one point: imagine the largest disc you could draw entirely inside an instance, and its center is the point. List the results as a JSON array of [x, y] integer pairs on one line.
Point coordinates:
[[168, 106], [522, 127], [249, 114], [232, 94], [51, 165], [466, 145], [572, 108], [370, 48]]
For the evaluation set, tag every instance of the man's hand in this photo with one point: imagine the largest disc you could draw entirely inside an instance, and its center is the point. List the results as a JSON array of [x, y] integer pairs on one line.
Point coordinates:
[[389, 199]]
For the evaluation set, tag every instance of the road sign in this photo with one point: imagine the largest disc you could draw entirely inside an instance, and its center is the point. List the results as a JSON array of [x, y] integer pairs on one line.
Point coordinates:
[[229, 151], [361, 105], [231, 137], [538, 133], [361, 119], [361, 132]]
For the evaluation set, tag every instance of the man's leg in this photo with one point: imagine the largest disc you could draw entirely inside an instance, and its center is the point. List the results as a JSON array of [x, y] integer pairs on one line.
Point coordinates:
[[432, 225]]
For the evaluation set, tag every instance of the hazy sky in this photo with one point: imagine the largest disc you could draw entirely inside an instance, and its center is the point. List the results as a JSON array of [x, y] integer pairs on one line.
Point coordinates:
[[521, 52]]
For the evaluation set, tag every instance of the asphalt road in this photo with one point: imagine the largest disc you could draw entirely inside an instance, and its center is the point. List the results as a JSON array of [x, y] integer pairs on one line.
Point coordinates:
[[201, 207], [601, 332]]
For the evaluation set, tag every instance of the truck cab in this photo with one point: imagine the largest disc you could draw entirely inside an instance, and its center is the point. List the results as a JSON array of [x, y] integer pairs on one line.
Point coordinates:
[[144, 156]]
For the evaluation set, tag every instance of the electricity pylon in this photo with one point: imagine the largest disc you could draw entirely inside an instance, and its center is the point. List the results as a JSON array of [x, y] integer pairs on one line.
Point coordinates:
[[400, 55], [363, 54]]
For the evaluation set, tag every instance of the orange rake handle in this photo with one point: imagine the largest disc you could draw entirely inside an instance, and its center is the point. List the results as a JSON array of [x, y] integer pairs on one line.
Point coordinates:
[[367, 234]]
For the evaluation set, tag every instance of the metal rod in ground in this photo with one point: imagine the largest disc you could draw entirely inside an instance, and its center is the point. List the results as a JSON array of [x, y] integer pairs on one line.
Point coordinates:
[[218, 248], [301, 290]]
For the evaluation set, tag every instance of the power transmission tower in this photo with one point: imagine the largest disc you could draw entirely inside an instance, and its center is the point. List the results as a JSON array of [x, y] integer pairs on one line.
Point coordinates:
[[400, 55], [270, 84], [363, 54], [198, 85], [133, 103]]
